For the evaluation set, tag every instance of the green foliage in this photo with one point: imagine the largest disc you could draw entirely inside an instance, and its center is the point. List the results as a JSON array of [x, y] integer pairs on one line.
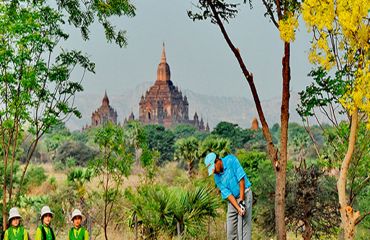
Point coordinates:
[[35, 84], [311, 195], [263, 187], [312, 200], [187, 150], [323, 92], [173, 211], [36, 89], [76, 151], [149, 159], [56, 136], [232, 132], [15, 175], [53, 182], [82, 14], [32, 206], [34, 29], [162, 140], [56, 204], [70, 162], [220, 146], [135, 134], [111, 166], [250, 161], [225, 10], [114, 158], [298, 137], [184, 131], [79, 176], [35, 176], [358, 174], [80, 136]]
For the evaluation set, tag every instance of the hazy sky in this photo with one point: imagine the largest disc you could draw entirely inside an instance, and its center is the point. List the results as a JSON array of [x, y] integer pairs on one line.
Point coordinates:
[[197, 54]]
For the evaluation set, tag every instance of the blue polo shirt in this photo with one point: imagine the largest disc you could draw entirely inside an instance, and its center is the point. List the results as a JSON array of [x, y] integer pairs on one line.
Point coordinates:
[[228, 180]]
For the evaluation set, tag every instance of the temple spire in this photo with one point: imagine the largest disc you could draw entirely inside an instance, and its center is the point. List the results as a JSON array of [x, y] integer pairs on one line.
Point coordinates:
[[163, 57], [163, 72], [105, 99]]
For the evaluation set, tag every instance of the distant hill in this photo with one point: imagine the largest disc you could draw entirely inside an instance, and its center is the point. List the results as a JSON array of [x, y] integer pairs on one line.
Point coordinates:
[[212, 108]]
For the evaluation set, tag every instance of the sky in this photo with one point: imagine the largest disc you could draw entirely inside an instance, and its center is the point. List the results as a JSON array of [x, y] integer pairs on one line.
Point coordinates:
[[198, 55]]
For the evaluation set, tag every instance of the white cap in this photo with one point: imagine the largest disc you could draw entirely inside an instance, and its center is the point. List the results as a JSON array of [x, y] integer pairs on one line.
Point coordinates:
[[76, 213], [46, 210], [13, 213]]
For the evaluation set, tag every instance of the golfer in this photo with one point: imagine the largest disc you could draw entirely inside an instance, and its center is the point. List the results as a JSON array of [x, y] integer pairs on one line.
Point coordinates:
[[234, 185]]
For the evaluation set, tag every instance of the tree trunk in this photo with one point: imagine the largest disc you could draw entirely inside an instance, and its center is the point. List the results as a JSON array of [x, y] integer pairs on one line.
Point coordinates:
[[348, 216], [281, 167], [178, 227], [209, 228], [106, 201], [5, 213], [136, 232], [106, 231], [14, 150], [190, 167], [308, 232], [138, 152], [30, 152]]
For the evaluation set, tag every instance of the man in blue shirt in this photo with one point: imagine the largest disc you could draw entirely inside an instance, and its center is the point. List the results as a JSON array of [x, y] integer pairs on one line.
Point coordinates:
[[235, 186]]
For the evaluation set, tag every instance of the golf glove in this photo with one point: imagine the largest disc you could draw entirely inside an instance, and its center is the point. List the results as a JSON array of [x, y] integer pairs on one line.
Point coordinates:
[[242, 206]]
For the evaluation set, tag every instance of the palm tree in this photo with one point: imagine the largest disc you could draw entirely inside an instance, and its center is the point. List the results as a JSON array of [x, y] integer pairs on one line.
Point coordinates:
[[220, 146], [152, 210], [173, 211], [187, 150], [193, 209]]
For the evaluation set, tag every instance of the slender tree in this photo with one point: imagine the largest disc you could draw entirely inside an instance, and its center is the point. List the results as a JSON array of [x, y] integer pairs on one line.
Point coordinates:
[[283, 16], [136, 137], [37, 90], [112, 166], [341, 42]]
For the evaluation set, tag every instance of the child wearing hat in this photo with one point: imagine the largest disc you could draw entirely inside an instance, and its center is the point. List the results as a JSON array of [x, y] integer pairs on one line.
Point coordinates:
[[77, 232], [16, 231], [44, 231]]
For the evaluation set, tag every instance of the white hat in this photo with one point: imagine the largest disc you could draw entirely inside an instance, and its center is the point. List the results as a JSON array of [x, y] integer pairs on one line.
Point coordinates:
[[76, 213], [46, 210], [13, 213]]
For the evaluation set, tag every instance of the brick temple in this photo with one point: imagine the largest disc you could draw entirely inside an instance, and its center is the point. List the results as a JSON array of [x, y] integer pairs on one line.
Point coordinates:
[[164, 104], [104, 114]]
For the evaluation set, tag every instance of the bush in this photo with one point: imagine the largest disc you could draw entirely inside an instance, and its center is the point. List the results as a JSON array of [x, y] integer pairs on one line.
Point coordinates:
[[162, 140], [35, 176], [59, 166], [80, 152], [71, 162], [250, 161]]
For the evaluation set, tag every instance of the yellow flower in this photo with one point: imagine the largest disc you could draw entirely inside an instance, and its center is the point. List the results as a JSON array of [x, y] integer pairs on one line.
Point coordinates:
[[287, 28], [319, 13]]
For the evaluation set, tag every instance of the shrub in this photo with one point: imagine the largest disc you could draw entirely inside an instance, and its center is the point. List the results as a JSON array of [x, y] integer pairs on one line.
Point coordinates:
[[35, 176], [76, 150]]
